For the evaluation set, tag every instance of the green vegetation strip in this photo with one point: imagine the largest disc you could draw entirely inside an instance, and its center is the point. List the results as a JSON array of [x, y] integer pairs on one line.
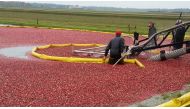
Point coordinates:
[[88, 20]]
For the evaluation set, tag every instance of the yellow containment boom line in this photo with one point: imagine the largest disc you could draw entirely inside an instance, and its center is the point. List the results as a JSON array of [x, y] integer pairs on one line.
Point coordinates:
[[178, 102], [76, 59], [16, 26], [139, 63]]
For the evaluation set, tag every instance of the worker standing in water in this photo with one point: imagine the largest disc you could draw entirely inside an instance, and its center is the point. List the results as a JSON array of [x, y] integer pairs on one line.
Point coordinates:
[[179, 34], [151, 31], [116, 47]]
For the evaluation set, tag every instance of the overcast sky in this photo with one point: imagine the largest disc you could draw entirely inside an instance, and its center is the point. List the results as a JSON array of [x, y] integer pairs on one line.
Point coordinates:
[[126, 4]]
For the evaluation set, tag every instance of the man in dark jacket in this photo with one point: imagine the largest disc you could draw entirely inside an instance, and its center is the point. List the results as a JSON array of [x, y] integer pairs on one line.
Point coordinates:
[[179, 35], [116, 47], [151, 31]]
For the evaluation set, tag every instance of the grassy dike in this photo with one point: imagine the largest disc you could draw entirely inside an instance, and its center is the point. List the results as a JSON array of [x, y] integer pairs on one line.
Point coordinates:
[[89, 20]]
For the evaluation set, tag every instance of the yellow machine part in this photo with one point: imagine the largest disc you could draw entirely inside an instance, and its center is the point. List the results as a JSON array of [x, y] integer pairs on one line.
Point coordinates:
[[178, 102], [75, 59]]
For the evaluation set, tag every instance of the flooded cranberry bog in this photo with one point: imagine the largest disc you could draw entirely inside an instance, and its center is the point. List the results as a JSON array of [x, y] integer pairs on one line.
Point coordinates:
[[28, 81]]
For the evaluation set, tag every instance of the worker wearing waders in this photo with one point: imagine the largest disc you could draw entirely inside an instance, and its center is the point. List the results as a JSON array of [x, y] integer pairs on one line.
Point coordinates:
[[151, 31], [179, 35], [116, 47], [136, 38]]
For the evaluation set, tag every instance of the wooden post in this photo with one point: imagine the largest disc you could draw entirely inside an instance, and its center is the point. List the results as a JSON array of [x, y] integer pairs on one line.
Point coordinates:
[[129, 28], [135, 28], [37, 21]]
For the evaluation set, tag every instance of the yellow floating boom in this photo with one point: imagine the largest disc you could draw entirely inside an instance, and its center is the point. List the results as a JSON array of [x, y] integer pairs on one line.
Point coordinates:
[[178, 102], [76, 59]]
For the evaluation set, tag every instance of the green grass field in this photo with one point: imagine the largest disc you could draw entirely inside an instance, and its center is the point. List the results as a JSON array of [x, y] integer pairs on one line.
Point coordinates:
[[100, 21]]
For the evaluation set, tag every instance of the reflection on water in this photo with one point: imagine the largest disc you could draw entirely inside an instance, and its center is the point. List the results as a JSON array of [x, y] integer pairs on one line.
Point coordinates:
[[5, 25], [16, 52]]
